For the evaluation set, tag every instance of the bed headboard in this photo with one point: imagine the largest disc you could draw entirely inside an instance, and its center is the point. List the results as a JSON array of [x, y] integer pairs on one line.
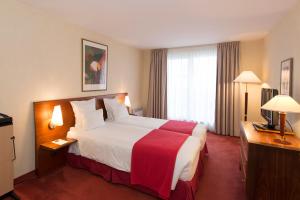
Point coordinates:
[[43, 112]]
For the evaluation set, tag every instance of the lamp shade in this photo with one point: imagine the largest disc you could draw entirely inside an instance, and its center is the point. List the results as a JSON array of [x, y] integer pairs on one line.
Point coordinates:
[[282, 103], [57, 119], [247, 77], [127, 101]]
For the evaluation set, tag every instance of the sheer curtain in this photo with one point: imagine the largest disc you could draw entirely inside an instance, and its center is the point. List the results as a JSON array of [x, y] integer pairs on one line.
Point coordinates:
[[191, 84]]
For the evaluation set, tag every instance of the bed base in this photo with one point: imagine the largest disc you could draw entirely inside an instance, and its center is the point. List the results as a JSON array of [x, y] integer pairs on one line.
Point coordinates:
[[185, 190]]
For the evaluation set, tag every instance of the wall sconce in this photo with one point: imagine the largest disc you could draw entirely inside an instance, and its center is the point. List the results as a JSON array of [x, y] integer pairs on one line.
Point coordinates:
[[127, 103], [56, 119]]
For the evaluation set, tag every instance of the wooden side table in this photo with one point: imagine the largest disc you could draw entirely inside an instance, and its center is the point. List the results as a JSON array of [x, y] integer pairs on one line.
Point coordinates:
[[52, 156], [55, 147]]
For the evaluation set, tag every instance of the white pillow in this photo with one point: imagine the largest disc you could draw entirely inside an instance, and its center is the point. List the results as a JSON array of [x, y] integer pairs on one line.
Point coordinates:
[[92, 119], [114, 109], [120, 111], [82, 106], [109, 105]]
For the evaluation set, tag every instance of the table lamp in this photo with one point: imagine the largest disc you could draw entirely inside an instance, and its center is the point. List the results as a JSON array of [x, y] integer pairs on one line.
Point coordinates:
[[247, 77], [282, 104]]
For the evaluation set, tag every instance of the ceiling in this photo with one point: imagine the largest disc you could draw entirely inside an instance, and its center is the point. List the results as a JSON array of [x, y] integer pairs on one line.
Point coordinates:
[[171, 23]]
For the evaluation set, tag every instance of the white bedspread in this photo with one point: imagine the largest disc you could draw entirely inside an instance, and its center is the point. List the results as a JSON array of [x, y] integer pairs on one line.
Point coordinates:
[[112, 145], [153, 123]]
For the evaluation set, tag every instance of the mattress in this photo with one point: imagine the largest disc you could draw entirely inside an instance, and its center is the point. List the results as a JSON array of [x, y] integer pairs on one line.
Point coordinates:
[[153, 123], [112, 144]]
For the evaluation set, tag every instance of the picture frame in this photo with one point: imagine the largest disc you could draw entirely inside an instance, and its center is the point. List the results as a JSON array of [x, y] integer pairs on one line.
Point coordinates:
[[286, 77], [94, 66]]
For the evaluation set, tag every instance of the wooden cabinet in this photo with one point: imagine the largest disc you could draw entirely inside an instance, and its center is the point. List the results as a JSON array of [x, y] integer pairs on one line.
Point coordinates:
[[271, 170], [52, 156], [6, 159]]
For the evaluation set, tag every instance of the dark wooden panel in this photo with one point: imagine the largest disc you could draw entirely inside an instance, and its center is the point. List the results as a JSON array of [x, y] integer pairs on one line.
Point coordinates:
[[42, 116]]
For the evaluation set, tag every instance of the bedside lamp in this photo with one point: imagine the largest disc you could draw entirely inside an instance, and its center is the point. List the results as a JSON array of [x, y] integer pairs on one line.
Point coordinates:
[[282, 104], [56, 119], [246, 77], [127, 103]]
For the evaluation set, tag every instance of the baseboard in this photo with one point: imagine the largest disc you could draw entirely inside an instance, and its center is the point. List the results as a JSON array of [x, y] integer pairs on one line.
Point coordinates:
[[27, 176]]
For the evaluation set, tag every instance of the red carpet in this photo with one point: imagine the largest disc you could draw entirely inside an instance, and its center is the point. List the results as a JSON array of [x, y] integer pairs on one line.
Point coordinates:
[[221, 180]]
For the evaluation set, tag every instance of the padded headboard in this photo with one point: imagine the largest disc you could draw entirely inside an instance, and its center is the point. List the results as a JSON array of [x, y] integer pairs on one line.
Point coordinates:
[[43, 112]]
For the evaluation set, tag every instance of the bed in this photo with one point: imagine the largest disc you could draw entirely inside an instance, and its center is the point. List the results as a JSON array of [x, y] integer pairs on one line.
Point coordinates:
[[107, 150], [118, 113], [153, 123], [112, 145]]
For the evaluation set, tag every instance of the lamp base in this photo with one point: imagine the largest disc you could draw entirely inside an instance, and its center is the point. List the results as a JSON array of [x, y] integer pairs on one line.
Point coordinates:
[[51, 126], [282, 141]]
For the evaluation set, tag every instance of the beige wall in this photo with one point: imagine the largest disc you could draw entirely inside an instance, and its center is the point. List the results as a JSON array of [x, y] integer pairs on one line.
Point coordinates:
[[40, 59], [251, 58], [283, 42], [145, 77]]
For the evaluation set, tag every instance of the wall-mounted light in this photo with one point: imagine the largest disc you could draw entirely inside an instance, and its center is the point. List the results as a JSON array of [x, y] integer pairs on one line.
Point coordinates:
[[127, 103], [56, 119]]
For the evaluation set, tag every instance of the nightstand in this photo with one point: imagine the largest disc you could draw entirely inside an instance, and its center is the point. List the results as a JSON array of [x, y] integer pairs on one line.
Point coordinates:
[[52, 156], [55, 147]]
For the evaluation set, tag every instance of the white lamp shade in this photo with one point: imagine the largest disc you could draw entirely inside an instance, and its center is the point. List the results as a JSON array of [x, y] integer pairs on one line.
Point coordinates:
[[127, 101], [247, 77], [57, 119], [282, 103], [265, 85]]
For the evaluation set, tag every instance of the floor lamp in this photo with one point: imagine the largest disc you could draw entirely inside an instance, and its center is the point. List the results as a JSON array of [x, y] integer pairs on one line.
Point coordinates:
[[247, 77]]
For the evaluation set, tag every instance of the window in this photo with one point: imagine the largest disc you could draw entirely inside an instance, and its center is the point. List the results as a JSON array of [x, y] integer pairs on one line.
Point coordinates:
[[191, 84]]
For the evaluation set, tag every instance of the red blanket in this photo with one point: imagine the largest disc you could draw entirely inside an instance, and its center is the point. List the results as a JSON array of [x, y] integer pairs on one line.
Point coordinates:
[[179, 126], [153, 160]]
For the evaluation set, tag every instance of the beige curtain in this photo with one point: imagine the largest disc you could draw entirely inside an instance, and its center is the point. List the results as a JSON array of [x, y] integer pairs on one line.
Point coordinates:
[[227, 105], [157, 96]]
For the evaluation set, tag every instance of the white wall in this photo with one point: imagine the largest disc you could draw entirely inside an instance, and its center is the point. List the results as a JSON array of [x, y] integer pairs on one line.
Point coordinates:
[[283, 42], [40, 59]]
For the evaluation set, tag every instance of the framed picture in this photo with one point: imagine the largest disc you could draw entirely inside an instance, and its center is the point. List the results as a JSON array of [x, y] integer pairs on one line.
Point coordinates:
[[94, 66], [286, 77]]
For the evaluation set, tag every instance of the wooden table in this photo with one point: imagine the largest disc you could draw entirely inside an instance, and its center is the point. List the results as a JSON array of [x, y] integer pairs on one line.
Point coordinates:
[[271, 170]]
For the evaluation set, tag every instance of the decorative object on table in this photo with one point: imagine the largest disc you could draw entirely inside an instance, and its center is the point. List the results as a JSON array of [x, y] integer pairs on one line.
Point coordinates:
[[56, 119], [282, 104], [94, 66], [247, 77], [127, 103], [286, 77]]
